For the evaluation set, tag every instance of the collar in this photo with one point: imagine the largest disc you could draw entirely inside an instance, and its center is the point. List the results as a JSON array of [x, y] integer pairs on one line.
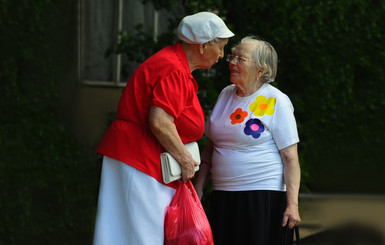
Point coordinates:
[[183, 59]]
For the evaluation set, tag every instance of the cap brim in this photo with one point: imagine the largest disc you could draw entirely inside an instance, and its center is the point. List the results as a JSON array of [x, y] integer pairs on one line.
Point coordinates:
[[226, 34]]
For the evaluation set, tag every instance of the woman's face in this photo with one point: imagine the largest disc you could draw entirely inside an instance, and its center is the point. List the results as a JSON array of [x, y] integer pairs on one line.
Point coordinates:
[[212, 52], [242, 68]]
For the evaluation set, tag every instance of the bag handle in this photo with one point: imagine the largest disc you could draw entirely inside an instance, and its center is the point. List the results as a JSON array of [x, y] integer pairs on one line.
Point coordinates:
[[192, 190], [297, 238], [288, 236]]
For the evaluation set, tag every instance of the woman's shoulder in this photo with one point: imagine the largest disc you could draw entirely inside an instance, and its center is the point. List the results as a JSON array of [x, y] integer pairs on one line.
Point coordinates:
[[275, 92], [166, 58], [281, 98], [229, 89]]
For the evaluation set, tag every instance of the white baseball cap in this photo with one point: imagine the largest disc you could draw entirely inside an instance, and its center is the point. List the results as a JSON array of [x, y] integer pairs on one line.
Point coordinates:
[[202, 27]]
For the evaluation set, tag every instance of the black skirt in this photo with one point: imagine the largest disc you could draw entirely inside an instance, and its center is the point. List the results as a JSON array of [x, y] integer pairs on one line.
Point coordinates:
[[249, 217]]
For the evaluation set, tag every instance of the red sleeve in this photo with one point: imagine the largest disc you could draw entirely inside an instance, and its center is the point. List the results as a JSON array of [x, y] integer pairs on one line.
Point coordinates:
[[172, 92]]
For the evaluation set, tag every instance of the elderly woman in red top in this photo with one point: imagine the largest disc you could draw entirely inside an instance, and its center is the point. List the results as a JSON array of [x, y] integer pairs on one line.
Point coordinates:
[[159, 111]]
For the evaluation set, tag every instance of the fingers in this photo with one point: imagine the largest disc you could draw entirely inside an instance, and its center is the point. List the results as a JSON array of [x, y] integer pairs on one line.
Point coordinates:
[[290, 222], [185, 178], [187, 175], [188, 172], [291, 216], [284, 220], [291, 219]]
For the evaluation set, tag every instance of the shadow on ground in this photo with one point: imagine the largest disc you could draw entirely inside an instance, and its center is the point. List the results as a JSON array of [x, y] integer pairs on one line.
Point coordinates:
[[348, 234]]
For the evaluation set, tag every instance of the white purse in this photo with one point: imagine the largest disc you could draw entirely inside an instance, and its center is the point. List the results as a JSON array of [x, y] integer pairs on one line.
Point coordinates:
[[171, 170]]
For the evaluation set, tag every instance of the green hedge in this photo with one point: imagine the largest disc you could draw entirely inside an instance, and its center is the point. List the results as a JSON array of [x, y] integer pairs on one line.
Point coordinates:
[[48, 182], [331, 60]]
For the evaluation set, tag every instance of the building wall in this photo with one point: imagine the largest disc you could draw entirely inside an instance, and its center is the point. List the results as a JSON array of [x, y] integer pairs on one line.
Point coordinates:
[[96, 107], [88, 104]]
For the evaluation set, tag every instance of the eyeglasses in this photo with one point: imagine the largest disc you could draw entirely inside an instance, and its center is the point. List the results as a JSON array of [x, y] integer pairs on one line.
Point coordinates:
[[231, 57]]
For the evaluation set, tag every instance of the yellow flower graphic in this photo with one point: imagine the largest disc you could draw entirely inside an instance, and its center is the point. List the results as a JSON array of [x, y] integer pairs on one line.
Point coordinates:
[[263, 105]]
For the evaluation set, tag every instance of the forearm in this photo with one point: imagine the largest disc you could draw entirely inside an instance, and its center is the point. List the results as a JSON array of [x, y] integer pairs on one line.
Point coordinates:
[[203, 176], [292, 176], [163, 127], [206, 158], [204, 169], [291, 172]]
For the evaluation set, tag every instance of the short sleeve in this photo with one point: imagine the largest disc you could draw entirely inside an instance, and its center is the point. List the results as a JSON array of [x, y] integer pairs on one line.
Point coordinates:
[[172, 92], [284, 128]]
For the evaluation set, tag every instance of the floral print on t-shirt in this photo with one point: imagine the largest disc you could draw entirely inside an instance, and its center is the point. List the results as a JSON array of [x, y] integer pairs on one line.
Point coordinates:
[[261, 106], [254, 127], [238, 116]]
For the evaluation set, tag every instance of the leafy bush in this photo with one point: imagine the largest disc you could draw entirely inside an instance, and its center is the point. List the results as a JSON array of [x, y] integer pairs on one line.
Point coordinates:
[[331, 61], [48, 182], [331, 66]]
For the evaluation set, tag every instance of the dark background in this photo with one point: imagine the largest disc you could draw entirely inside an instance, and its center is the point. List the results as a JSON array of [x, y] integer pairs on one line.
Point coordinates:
[[331, 65]]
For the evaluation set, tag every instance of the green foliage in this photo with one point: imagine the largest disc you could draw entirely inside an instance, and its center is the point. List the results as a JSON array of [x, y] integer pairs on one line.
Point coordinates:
[[331, 66], [138, 45], [161, 4], [48, 190], [48, 182]]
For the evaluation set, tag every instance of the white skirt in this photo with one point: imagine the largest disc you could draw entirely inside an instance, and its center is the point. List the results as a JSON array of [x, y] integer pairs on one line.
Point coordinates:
[[131, 208]]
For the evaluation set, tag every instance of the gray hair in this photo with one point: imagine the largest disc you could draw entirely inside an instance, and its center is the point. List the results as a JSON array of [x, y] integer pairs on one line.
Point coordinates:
[[215, 40], [265, 57]]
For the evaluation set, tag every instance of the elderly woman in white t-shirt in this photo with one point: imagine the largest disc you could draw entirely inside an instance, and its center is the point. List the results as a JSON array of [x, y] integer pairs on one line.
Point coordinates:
[[252, 153]]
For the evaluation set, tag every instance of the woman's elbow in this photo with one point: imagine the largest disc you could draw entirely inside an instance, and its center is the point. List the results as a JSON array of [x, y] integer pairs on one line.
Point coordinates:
[[289, 154]]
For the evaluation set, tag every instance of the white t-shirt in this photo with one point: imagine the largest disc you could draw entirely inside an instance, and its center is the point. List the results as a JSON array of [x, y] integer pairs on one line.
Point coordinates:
[[248, 133]]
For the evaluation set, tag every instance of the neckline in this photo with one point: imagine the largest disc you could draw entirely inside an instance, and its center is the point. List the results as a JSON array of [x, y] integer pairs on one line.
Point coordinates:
[[241, 98]]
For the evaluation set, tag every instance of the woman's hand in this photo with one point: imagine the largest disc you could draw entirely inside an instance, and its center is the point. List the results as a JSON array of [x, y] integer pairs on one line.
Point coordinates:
[[163, 127], [188, 168], [291, 216]]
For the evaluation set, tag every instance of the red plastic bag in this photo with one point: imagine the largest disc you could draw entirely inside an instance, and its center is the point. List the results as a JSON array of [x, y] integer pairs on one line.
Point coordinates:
[[186, 221]]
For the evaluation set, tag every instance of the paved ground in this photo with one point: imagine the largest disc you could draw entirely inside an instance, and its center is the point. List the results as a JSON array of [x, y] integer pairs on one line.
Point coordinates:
[[342, 219]]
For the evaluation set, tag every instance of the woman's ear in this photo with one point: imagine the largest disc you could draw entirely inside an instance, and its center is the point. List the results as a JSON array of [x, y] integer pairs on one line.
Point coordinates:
[[201, 48], [260, 73]]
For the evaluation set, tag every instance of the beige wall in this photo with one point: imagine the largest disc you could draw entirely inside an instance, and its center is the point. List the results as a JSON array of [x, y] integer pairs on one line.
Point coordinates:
[[91, 112]]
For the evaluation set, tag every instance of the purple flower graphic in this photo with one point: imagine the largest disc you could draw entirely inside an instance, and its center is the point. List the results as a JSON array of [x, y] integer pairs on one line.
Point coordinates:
[[254, 127]]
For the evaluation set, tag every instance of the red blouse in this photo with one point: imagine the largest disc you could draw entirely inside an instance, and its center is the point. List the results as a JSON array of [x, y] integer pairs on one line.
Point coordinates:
[[165, 81]]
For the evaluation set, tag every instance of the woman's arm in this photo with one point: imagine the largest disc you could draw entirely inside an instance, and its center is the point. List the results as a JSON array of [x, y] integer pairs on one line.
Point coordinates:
[[204, 169], [163, 127], [292, 175]]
